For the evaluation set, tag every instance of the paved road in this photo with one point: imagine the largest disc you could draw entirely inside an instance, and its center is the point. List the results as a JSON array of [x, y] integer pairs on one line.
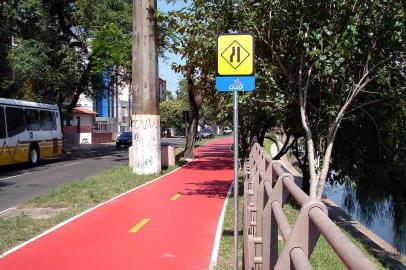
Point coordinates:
[[19, 183]]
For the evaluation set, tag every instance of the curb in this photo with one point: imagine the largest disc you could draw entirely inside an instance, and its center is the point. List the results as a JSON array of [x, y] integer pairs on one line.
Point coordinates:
[[219, 232]]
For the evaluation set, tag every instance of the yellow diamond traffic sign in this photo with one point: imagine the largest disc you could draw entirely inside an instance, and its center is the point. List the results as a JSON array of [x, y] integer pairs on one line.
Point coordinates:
[[235, 55]]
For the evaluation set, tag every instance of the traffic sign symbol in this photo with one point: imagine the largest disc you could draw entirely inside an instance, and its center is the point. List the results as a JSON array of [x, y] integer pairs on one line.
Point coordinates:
[[235, 55], [233, 83]]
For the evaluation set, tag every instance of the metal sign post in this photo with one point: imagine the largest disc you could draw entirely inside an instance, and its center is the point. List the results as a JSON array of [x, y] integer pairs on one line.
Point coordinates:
[[235, 179], [235, 72]]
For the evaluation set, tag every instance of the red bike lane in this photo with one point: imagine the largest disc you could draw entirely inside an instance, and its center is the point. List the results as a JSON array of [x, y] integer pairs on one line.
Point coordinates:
[[168, 224]]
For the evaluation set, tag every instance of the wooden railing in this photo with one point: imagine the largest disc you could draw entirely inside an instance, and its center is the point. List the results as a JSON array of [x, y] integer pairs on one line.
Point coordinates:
[[267, 186]]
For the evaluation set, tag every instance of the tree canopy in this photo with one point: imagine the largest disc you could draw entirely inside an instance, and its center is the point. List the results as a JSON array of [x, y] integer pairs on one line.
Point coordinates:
[[330, 76], [172, 113], [56, 50]]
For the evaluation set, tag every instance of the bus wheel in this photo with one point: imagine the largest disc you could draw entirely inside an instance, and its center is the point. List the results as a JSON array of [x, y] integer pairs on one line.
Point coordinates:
[[33, 156]]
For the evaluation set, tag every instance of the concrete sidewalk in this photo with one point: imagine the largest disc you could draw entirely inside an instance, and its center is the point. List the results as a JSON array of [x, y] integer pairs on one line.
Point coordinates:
[[168, 224]]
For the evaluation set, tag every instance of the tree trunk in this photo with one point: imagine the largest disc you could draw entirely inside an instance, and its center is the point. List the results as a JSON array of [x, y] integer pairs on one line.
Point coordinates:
[[285, 148], [195, 102], [327, 157], [73, 102], [145, 153], [191, 135], [314, 177], [245, 127], [304, 167]]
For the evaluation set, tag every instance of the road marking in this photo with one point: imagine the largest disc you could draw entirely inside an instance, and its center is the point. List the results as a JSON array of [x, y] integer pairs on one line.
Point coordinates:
[[5, 211], [70, 164], [5, 178], [176, 196], [106, 157], [141, 224], [219, 232]]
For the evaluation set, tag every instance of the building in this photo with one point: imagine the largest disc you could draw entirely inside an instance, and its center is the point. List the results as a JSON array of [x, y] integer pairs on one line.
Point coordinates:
[[112, 105], [78, 129], [102, 116], [109, 110]]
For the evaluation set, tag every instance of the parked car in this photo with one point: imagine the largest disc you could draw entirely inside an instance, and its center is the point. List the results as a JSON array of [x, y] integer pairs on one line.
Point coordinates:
[[125, 138], [227, 131], [207, 133], [198, 136]]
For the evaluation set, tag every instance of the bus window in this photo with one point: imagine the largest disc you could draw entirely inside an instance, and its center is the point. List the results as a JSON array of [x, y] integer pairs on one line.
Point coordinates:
[[32, 120], [54, 126], [2, 124], [15, 121], [46, 120]]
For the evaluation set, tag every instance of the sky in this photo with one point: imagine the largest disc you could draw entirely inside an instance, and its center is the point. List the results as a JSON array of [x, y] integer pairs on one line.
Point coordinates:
[[165, 71]]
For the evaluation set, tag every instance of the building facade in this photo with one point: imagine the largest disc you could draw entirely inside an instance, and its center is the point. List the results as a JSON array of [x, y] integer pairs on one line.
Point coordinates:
[[111, 106]]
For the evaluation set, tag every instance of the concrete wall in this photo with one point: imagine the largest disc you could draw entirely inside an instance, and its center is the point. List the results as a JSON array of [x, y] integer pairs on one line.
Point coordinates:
[[102, 137]]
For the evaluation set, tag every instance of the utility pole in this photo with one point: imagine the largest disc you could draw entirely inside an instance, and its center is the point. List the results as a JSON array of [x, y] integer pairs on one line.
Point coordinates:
[[145, 153]]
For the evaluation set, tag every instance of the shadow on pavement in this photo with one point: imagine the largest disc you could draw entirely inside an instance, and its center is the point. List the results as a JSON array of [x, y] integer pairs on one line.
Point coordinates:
[[208, 164], [4, 184], [210, 189]]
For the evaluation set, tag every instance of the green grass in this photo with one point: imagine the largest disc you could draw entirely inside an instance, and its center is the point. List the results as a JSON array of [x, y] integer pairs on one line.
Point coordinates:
[[225, 259], [323, 256], [267, 145]]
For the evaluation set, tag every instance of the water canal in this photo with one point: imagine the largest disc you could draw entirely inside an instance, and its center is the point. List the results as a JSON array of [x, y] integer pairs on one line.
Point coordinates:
[[381, 221]]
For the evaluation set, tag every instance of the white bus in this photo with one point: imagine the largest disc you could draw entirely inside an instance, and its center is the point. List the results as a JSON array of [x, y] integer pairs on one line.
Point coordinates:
[[29, 131]]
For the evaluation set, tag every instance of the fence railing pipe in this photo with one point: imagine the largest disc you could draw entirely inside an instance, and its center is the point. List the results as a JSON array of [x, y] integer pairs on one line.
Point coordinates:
[[350, 255], [299, 260], [281, 219], [295, 191], [277, 167], [268, 188]]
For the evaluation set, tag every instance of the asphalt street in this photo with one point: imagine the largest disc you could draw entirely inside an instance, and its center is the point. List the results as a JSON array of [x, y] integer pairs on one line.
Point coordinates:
[[19, 183]]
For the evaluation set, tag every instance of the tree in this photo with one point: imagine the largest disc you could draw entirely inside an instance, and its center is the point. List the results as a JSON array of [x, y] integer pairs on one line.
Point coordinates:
[[51, 56], [326, 58], [169, 95], [192, 33], [6, 37], [374, 174], [172, 113]]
